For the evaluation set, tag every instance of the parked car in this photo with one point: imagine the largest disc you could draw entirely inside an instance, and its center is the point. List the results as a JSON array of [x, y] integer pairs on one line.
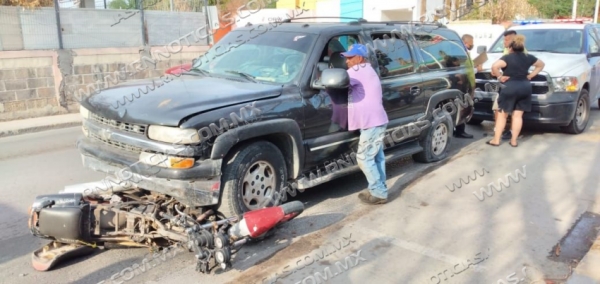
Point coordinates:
[[562, 92], [240, 168]]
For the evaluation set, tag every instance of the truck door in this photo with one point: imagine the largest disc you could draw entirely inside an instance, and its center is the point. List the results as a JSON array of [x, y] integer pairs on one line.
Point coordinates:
[[401, 84], [326, 111], [445, 61], [593, 55]]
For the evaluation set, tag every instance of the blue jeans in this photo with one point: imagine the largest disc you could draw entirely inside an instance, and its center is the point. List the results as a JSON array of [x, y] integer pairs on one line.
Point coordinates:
[[371, 159]]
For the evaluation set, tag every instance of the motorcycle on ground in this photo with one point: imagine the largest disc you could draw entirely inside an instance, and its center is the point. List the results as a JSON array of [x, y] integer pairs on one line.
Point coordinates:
[[78, 224]]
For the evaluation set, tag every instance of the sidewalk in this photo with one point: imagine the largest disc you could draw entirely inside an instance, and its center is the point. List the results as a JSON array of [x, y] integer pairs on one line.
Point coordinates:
[[15, 127], [588, 270]]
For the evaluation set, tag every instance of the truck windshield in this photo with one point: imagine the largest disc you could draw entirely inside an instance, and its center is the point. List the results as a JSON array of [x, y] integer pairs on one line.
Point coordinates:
[[257, 55], [550, 40]]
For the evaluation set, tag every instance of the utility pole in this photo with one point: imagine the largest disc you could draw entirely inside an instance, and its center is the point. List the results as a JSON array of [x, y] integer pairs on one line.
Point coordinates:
[[574, 9], [596, 12], [423, 9]]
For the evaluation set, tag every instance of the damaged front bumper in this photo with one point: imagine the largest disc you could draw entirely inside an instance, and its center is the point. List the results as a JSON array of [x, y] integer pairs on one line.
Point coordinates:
[[195, 186]]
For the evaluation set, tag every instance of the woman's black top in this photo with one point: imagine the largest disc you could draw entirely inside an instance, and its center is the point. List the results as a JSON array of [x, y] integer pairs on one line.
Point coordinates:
[[517, 65]]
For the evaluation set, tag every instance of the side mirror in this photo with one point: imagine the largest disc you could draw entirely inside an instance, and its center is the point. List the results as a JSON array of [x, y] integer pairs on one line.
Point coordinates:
[[317, 75], [594, 49], [335, 78], [481, 49]]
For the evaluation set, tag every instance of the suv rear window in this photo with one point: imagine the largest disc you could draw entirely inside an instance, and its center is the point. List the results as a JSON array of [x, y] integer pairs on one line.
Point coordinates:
[[442, 49], [547, 40], [268, 56]]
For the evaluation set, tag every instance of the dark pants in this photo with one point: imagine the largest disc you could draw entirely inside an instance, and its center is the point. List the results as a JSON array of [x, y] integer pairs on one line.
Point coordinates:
[[460, 128]]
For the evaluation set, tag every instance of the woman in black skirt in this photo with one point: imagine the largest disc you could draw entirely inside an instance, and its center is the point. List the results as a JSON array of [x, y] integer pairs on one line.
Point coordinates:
[[515, 98]]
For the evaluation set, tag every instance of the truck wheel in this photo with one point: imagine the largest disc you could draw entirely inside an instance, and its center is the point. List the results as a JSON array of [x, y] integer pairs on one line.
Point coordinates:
[[474, 121], [582, 114], [437, 141], [254, 177]]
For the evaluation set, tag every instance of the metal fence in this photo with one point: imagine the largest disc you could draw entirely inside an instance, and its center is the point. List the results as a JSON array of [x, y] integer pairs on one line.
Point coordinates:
[[95, 27]]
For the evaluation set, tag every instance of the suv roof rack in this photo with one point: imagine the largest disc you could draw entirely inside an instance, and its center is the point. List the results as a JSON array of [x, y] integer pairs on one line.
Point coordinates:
[[363, 21], [360, 20], [391, 23]]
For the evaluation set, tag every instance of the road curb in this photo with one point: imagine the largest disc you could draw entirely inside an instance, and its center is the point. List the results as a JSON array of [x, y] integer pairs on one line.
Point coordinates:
[[34, 129]]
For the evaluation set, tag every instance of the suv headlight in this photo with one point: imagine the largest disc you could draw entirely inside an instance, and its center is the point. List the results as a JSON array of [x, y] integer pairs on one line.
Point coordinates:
[[565, 84], [85, 113], [173, 135]]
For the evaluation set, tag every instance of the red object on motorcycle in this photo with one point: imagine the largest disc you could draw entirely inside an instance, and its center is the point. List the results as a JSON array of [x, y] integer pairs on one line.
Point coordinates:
[[176, 70], [260, 221]]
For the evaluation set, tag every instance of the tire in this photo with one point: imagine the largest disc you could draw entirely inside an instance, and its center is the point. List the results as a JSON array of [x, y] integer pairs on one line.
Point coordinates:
[[474, 121], [598, 103], [251, 163], [582, 114], [437, 142]]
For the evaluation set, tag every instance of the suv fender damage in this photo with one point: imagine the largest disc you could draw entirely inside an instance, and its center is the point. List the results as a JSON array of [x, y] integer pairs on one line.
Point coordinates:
[[287, 129]]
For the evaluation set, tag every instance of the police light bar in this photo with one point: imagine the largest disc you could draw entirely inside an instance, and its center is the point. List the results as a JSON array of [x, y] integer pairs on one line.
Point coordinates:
[[564, 21], [528, 22]]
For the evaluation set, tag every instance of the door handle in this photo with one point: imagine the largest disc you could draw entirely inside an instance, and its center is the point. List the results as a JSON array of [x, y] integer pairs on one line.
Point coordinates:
[[415, 90]]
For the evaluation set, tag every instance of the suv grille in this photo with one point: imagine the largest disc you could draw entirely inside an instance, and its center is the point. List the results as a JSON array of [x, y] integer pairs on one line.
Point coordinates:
[[133, 128], [540, 90], [116, 144]]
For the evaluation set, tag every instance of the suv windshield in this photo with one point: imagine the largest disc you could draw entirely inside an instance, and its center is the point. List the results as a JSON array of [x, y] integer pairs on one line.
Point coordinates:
[[257, 55], [555, 41]]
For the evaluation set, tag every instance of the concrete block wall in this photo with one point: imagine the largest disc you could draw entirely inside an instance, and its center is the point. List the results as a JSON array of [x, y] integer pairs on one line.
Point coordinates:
[[41, 83], [27, 88], [28, 84]]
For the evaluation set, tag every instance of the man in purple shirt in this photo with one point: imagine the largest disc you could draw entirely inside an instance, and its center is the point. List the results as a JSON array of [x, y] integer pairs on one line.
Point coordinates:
[[366, 112]]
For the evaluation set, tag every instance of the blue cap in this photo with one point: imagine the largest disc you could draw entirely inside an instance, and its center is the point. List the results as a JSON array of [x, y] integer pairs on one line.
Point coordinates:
[[356, 50]]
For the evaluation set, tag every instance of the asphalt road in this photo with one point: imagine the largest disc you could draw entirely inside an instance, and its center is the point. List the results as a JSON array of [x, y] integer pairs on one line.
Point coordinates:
[[45, 162]]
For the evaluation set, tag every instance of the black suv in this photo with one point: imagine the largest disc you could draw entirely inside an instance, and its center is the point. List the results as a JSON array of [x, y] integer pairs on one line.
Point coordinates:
[[289, 123]]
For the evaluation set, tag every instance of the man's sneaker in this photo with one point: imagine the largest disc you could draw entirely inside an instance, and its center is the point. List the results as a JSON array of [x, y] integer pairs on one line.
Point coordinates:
[[366, 197], [364, 194], [506, 135]]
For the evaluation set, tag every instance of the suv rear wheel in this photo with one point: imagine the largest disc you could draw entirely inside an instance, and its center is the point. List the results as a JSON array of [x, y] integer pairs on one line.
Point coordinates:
[[253, 178], [437, 141], [582, 114]]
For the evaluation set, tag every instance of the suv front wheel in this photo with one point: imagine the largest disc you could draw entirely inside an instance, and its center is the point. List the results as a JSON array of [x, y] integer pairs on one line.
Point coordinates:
[[253, 178], [582, 114]]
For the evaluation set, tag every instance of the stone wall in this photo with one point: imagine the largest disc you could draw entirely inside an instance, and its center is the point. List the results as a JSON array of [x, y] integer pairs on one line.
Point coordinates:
[[41, 83], [26, 88]]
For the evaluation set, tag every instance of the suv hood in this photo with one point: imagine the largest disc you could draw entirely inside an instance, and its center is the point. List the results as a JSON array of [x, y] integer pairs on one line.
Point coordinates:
[[557, 64], [137, 102]]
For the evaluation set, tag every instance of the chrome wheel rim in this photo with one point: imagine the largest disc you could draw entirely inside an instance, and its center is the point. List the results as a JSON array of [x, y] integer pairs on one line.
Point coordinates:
[[258, 185], [440, 139]]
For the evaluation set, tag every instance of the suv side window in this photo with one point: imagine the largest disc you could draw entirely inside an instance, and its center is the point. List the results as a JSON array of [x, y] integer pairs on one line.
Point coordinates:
[[438, 52], [331, 55], [592, 42], [394, 56]]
